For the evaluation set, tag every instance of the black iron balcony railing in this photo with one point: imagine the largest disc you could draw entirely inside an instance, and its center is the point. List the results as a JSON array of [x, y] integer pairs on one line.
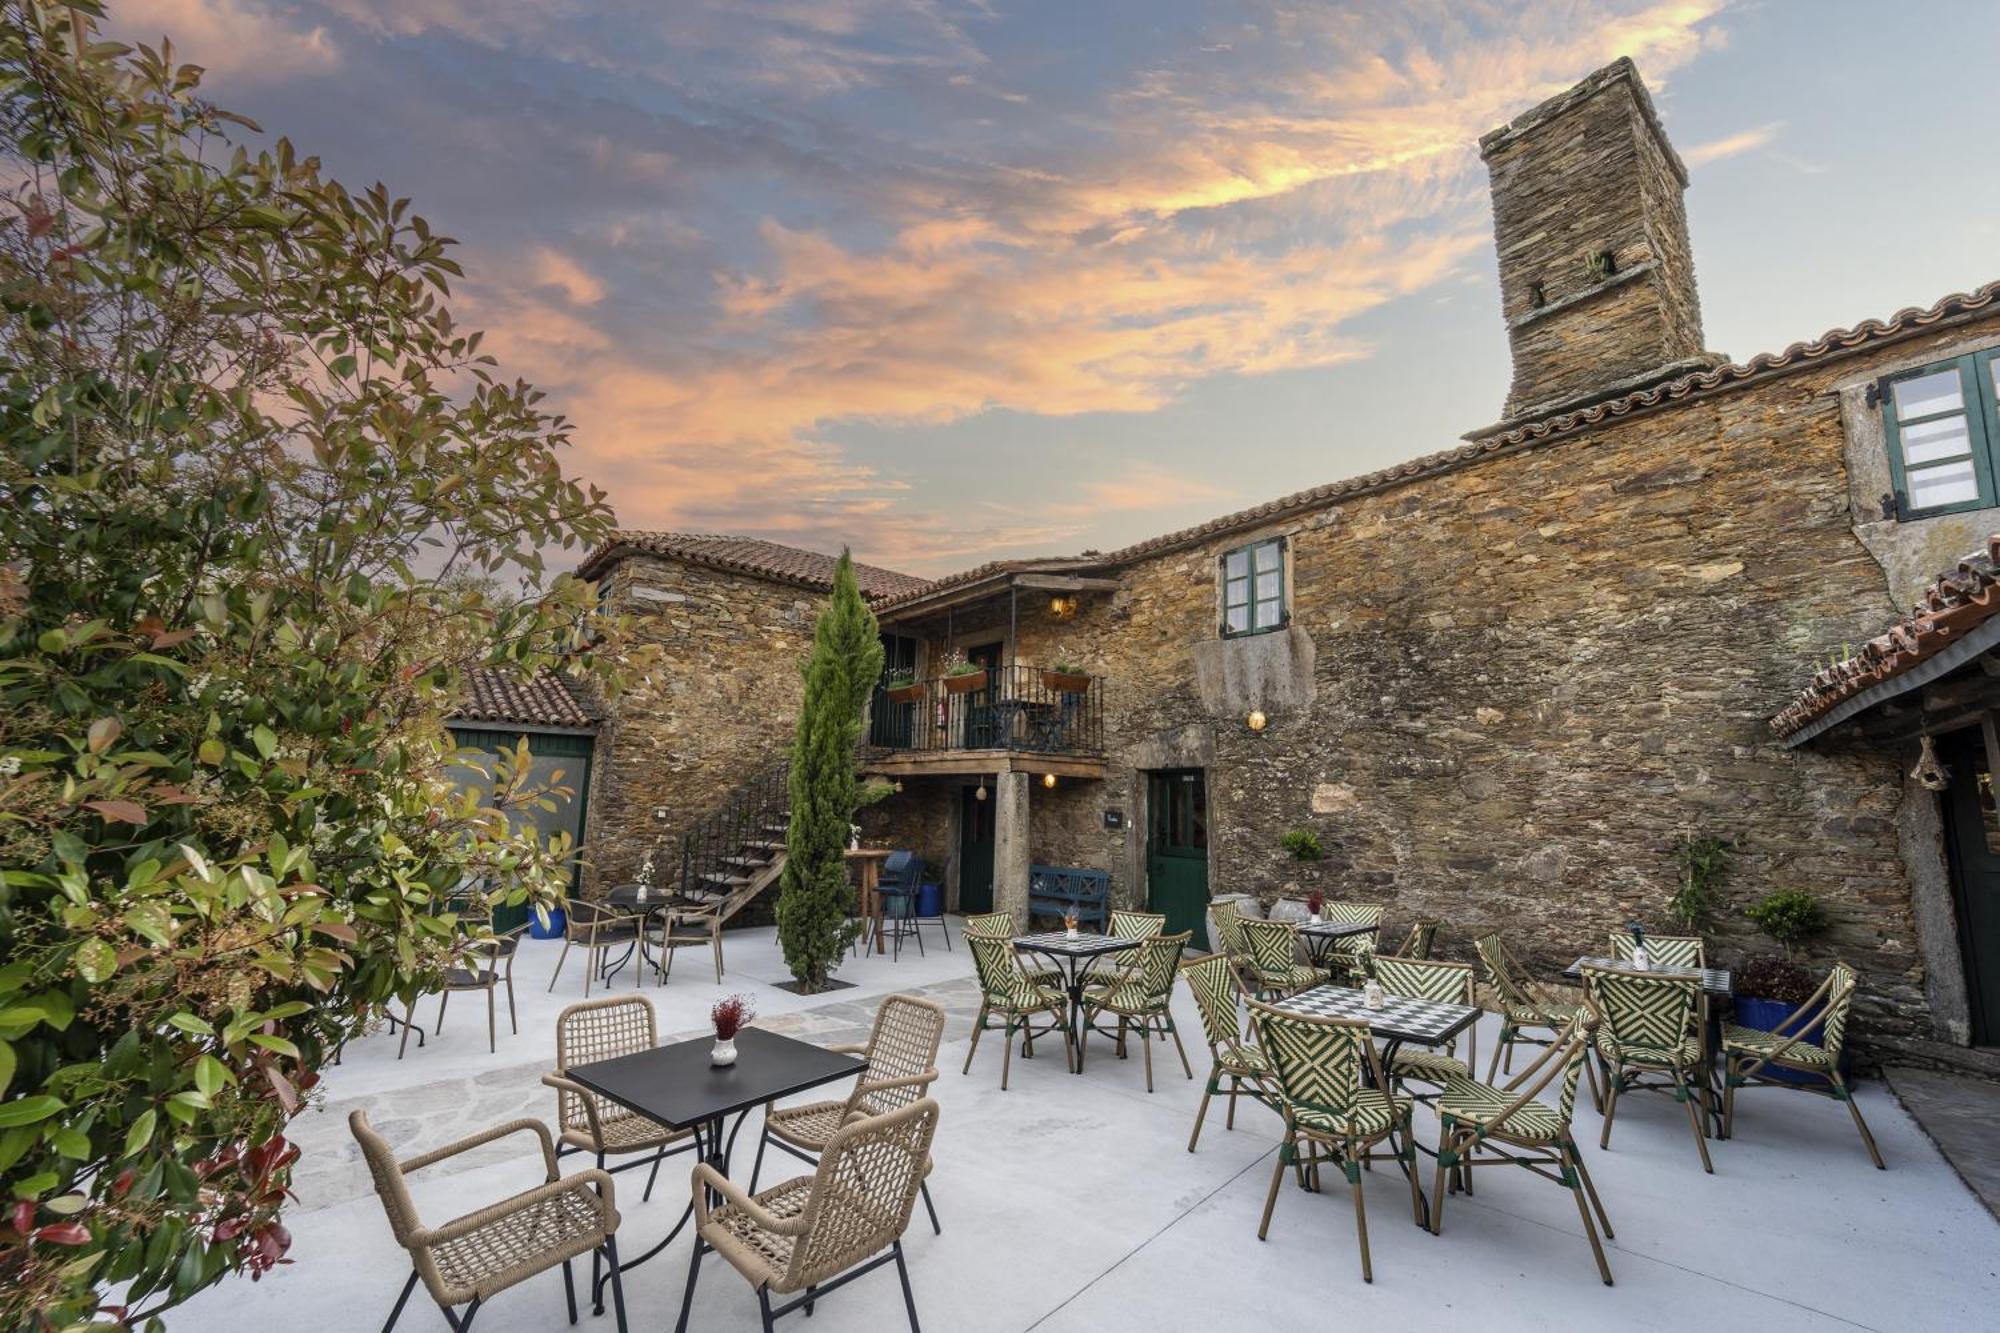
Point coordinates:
[[1002, 708]]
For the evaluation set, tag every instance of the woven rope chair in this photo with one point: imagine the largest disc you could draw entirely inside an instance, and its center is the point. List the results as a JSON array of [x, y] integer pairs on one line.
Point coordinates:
[[687, 925], [1143, 1000], [1320, 1064], [599, 1030], [472, 1258], [1422, 937], [1522, 1005], [901, 1054], [1747, 1052], [820, 1232], [1218, 1000], [1662, 950], [1649, 1025], [1444, 982], [597, 930], [1006, 992], [1342, 954], [1274, 952], [1515, 1128]]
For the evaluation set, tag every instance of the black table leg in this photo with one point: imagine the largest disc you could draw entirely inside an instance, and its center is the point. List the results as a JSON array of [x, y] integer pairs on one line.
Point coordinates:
[[714, 1150]]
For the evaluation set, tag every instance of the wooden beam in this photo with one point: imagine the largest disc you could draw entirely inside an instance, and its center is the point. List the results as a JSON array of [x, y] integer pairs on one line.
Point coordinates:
[[972, 763], [1067, 583]]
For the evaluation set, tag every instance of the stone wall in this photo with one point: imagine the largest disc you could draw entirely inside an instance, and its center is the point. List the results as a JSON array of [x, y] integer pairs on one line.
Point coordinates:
[[720, 705]]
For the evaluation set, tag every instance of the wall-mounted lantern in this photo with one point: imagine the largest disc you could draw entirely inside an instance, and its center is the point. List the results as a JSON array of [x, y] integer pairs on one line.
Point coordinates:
[[1256, 721], [1049, 780], [1062, 608]]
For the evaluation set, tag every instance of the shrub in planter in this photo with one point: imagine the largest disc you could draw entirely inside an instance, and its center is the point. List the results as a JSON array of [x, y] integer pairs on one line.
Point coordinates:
[[963, 677], [903, 689], [1063, 678]]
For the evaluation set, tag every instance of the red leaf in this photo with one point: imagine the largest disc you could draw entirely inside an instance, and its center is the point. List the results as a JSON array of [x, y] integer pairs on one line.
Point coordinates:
[[340, 930], [172, 638], [125, 812], [24, 1216], [64, 1233], [288, 1096]]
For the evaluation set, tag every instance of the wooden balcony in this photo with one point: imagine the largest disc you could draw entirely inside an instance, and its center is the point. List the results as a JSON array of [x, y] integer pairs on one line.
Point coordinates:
[[1005, 719]]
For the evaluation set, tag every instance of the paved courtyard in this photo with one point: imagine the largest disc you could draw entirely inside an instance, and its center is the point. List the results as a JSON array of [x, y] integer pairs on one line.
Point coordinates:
[[1072, 1203]]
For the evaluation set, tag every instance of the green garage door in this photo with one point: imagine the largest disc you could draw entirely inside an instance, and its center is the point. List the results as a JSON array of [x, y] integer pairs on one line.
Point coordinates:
[[1177, 850]]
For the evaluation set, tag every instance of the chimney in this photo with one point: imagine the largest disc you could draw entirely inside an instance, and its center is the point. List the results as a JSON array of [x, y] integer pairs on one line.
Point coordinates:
[[1596, 278]]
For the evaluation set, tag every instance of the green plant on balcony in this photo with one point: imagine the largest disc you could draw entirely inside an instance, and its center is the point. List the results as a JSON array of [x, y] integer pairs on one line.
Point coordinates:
[[1065, 678], [961, 675]]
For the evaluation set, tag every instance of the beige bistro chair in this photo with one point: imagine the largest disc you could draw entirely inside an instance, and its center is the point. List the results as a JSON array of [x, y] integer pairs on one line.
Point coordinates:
[[485, 965], [687, 926], [901, 1052], [1749, 1052], [820, 1232], [601, 1030], [597, 930], [471, 1259]]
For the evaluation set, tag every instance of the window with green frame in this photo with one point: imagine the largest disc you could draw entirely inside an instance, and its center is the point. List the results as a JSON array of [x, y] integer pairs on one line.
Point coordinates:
[[1253, 589], [1942, 423]]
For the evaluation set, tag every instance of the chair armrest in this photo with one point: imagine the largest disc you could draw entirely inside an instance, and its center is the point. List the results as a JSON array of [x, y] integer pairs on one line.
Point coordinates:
[[848, 1048], [596, 1183], [485, 1136], [584, 1095], [706, 1178], [922, 1080]]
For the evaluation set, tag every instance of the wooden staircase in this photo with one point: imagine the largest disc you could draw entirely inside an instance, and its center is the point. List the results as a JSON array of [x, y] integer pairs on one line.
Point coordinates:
[[738, 850]]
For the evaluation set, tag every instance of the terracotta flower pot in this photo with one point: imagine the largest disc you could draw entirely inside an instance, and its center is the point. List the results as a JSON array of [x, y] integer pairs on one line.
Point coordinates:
[[906, 694], [1066, 682], [965, 683]]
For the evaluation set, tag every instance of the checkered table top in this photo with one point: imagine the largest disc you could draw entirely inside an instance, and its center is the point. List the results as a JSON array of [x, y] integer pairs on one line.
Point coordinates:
[[1714, 980], [1426, 1022], [1335, 930], [1083, 946]]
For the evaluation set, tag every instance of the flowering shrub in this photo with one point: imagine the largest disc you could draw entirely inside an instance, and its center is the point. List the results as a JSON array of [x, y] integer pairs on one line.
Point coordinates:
[[260, 491]]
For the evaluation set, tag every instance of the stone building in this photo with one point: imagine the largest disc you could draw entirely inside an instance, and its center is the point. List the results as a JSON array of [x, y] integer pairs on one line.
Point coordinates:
[[1500, 683]]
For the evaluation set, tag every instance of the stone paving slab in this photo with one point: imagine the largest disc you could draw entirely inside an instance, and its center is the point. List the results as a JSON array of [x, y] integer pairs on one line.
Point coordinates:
[[1962, 1116]]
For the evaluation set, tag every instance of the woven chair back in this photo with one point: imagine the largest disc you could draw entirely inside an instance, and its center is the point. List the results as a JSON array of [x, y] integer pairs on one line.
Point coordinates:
[[600, 1030], [993, 958], [1351, 914], [1217, 991], [1839, 1002], [1274, 945], [1500, 972], [1136, 925], [862, 1193], [991, 923], [1229, 928], [388, 1177], [1419, 942], [903, 1043], [1643, 1013], [1159, 959], [582, 917], [1426, 979], [1318, 1060], [1665, 950]]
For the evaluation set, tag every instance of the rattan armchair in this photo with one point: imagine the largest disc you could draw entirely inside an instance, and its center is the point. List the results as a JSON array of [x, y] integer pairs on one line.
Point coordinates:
[[1017, 999], [1141, 999], [1662, 950], [1649, 1025], [1218, 1001], [686, 924], [1444, 982], [1229, 938], [1513, 1127], [1523, 1007], [1336, 1108], [1127, 925], [1000, 925], [1420, 940], [1274, 953], [472, 1258], [1747, 1052], [901, 1054], [601, 1030], [818, 1233], [1343, 955], [597, 930]]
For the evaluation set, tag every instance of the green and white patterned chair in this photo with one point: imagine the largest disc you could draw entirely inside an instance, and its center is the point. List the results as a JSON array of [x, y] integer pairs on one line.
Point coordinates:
[[1746, 1052], [1663, 950], [1008, 993], [1334, 1097], [1514, 1127], [1143, 1000], [1648, 1024], [1522, 1005], [1445, 983], [1274, 952], [1229, 936], [1218, 1000], [1000, 925], [1419, 941], [1342, 955], [1119, 968]]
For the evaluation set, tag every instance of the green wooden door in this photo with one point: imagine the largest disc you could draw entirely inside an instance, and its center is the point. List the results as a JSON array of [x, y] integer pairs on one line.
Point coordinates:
[[975, 852], [1974, 842], [1177, 850]]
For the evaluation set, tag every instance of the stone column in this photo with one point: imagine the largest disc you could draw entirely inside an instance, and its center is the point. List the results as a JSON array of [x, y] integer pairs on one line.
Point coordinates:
[[1010, 846]]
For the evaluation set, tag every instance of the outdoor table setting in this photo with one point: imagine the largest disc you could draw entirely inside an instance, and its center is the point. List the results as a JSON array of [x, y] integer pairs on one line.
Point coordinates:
[[1074, 954], [1320, 936], [627, 898], [1716, 984], [1400, 1019], [681, 1087]]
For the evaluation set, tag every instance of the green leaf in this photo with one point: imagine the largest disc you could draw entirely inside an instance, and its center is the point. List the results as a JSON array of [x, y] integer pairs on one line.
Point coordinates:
[[72, 1143], [7, 1061], [141, 1132], [264, 739], [212, 752], [192, 1024], [278, 1044], [29, 1110], [210, 1075], [96, 960]]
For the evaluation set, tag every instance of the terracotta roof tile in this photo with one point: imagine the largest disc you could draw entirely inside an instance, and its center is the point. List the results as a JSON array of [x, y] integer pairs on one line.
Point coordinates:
[[1960, 600], [548, 699], [748, 555]]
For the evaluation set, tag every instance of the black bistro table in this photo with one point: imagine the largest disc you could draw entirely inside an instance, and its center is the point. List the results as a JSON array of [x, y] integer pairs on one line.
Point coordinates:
[[1320, 936], [1073, 958], [677, 1086]]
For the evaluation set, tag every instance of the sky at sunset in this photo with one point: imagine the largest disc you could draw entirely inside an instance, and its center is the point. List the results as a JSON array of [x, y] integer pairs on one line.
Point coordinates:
[[948, 282]]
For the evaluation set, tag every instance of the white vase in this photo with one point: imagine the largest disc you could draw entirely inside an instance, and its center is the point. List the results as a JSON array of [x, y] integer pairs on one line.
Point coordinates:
[[724, 1052], [1313, 920], [1069, 931], [1371, 994], [1641, 960]]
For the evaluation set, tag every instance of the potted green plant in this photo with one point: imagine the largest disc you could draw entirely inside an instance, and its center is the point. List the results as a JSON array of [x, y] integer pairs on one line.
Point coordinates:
[[1302, 843], [902, 688], [963, 677], [1065, 678], [1770, 988]]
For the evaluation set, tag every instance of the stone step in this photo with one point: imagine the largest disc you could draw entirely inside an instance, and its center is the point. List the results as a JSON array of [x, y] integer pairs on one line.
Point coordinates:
[[727, 881], [747, 862]]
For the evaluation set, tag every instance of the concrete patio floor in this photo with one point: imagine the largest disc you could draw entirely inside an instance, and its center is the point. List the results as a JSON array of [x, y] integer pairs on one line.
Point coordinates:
[[1071, 1203]]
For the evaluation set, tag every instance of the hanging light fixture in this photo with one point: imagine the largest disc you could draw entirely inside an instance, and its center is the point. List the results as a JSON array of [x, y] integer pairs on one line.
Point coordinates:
[[980, 794], [1048, 780]]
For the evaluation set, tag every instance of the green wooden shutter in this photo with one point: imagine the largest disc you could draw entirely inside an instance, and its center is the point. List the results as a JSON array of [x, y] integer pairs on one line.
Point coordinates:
[[1937, 424]]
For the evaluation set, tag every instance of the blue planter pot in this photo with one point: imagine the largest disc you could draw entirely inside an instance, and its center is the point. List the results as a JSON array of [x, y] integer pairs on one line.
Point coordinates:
[[551, 931], [930, 900], [1770, 1015]]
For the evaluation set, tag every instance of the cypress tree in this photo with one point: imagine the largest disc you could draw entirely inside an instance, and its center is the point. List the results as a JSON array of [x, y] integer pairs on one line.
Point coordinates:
[[840, 674]]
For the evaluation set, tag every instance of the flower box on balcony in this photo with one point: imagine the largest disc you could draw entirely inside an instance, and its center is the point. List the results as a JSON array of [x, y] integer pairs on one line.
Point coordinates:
[[1066, 682], [965, 682], [909, 693]]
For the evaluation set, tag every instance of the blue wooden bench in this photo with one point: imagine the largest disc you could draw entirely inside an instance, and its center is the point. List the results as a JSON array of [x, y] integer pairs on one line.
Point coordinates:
[[1057, 890]]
